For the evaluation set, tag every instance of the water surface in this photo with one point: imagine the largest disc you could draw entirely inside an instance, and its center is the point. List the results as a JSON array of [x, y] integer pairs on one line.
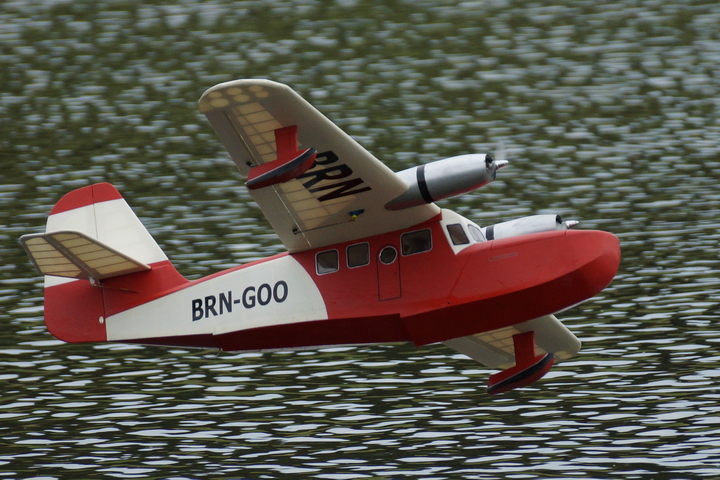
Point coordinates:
[[608, 113]]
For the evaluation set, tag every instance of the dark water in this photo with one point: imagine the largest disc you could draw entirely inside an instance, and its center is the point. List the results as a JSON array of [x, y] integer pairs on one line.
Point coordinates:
[[609, 114]]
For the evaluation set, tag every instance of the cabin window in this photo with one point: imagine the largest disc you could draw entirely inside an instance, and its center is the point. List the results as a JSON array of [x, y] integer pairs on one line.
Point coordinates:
[[388, 255], [416, 242], [457, 234], [358, 255], [327, 262], [476, 233]]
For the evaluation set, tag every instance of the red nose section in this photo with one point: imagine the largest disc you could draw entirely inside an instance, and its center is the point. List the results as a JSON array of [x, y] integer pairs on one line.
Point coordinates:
[[517, 279]]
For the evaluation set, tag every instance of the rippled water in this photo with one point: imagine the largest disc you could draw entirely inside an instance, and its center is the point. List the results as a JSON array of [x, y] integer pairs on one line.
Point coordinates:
[[609, 114]]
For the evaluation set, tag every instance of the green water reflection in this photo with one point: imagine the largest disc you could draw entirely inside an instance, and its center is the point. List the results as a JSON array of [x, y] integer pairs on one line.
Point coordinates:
[[608, 113]]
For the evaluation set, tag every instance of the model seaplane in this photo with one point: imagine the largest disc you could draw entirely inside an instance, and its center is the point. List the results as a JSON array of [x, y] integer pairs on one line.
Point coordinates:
[[370, 256]]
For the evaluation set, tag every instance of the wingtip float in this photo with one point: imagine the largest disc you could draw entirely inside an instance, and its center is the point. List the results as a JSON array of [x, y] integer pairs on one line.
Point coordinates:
[[371, 258]]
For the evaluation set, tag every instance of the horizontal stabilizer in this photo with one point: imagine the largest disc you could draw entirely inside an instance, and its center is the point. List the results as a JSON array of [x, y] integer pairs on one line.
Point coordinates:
[[73, 254]]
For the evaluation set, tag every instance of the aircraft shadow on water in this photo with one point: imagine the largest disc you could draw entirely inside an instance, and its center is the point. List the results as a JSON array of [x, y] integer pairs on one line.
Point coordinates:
[[370, 257]]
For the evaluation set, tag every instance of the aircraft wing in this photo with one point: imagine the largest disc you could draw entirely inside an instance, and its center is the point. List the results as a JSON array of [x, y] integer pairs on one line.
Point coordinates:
[[339, 197], [495, 348]]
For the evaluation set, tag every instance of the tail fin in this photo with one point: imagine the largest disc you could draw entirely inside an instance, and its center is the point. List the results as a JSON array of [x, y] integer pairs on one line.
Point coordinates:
[[98, 260]]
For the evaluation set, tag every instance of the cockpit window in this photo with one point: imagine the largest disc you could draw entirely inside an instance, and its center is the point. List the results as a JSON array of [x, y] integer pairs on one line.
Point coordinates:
[[457, 234], [416, 242], [476, 233], [327, 262]]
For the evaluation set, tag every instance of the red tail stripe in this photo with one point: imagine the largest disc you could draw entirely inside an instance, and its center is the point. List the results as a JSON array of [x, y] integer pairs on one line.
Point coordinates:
[[82, 197]]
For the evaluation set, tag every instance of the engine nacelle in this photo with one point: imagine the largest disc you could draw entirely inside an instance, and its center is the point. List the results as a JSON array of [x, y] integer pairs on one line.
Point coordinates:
[[526, 225], [445, 178]]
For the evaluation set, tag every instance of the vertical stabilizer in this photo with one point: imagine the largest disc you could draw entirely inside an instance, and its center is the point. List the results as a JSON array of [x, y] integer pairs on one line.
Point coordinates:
[[98, 259], [100, 212]]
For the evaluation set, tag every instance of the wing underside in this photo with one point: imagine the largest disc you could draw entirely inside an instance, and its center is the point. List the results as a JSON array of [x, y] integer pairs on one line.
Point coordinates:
[[495, 349], [340, 198]]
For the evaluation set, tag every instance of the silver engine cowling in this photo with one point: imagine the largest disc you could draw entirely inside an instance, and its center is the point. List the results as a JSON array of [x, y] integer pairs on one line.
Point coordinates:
[[445, 178], [526, 225]]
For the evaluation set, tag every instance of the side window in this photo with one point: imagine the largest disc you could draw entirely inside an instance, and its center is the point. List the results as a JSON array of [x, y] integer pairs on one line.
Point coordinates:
[[457, 234], [327, 262], [358, 255], [388, 255], [416, 242], [476, 233]]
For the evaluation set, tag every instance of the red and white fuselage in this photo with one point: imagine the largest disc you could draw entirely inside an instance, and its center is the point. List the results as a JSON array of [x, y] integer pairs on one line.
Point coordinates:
[[418, 285]]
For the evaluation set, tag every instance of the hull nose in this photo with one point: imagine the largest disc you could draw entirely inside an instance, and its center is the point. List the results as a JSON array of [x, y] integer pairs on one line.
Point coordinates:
[[597, 256], [569, 266], [516, 279]]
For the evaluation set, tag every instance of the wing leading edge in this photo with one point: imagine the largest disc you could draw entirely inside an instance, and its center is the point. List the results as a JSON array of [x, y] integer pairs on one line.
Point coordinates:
[[341, 197]]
